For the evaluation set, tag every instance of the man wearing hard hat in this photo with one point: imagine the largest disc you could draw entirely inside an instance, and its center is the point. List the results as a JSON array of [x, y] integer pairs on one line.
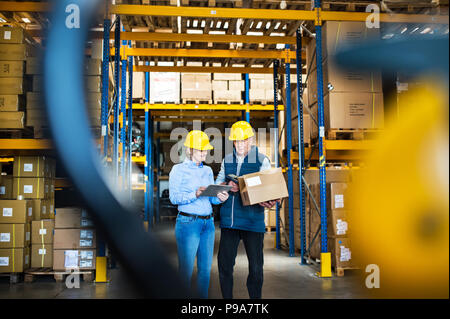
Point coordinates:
[[241, 222]]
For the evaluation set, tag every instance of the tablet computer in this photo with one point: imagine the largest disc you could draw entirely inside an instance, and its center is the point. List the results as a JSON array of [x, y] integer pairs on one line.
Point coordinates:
[[213, 190]]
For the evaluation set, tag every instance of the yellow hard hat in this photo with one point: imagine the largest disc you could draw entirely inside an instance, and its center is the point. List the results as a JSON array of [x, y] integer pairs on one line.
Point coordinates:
[[240, 131], [198, 140]]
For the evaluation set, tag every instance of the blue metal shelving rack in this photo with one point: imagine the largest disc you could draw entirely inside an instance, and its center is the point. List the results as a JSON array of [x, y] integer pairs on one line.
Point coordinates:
[[130, 125], [301, 146], [276, 64], [325, 255], [115, 157]]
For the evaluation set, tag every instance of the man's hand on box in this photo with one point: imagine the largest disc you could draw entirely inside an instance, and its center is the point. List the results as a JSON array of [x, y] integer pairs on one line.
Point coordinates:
[[235, 186], [269, 204]]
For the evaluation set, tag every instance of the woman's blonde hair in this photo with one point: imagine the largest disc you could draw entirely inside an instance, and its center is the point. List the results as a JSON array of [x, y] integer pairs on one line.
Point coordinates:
[[189, 153]]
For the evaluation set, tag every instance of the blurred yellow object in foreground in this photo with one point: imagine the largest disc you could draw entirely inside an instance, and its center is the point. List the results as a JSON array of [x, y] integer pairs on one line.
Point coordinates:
[[401, 202]]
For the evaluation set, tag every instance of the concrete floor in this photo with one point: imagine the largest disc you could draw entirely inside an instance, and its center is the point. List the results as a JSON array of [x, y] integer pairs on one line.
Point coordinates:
[[284, 278]]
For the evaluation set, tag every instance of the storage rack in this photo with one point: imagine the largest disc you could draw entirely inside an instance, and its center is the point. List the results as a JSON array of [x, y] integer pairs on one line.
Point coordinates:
[[327, 149]]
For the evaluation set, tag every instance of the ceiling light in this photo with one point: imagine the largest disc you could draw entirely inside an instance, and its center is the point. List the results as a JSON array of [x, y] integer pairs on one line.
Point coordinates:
[[26, 20], [283, 5], [404, 30]]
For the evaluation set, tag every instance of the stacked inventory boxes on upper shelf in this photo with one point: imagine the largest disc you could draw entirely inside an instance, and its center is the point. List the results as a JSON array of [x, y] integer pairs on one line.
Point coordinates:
[[196, 87], [353, 98], [14, 50], [36, 116], [164, 88], [15, 217], [228, 87], [74, 240], [261, 88]]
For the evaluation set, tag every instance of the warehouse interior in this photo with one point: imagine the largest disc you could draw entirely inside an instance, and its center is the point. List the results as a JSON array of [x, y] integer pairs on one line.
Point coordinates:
[[358, 139]]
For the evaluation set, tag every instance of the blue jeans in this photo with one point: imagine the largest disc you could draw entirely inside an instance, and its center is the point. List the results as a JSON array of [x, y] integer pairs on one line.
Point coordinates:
[[195, 237]]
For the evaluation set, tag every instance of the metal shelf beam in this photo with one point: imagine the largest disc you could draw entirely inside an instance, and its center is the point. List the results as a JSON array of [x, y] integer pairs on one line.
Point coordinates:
[[204, 53], [223, 107], [208, 69], [234, 13]]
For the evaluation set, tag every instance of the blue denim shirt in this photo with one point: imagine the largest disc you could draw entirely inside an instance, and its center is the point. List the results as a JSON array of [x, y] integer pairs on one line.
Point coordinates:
[[184, 180]]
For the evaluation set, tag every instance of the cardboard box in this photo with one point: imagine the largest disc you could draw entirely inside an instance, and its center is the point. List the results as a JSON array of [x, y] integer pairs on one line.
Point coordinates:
[[139, 85], [6, 185], [338, 225], [262, 186], [165, 87], [236, 85], [306, 130], [338, 194], [30, 166], [266, 84], [16, 52], [93, 83], [42, 231], [270, 217], [83, 259], [196, 86], [11, 86], [341, 252], [338, 35], [336, 79], [14, 260], [257, 95], [29, 187], [74, 238], [260, 76], [10, 103], [34, 65], [194, 94], [41, 255], [41, 208], [15, 235], [93, 67], [227, 95], [11, 69], [72, 217], [311, 62], [15, 211], [227, 76], [219, 85], [333, 175], [354, 111], [11, 35]]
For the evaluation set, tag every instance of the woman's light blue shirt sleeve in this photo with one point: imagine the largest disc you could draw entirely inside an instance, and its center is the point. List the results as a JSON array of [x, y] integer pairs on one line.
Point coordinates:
[[176, 196]]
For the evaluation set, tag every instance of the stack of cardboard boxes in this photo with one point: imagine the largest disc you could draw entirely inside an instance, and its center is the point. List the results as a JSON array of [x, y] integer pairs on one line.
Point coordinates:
[[164, 88], [196, 87], [14, 50], [353, 98], [15, 217], [227, 87], [36, 116], [74, 244], [261, 88], [42, 243], [338, 181]]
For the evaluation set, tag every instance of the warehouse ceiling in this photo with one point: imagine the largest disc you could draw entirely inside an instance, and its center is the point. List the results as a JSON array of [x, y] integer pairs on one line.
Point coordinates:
[[185, 25]]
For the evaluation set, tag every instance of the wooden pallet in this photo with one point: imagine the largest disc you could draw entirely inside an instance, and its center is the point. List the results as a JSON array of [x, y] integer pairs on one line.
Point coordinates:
[[165, 102], [352, 134], [199, 101], [261, 102], [14, 277], [59, 276], [16, 133], [270, 229], [340, 271], [228, 102]]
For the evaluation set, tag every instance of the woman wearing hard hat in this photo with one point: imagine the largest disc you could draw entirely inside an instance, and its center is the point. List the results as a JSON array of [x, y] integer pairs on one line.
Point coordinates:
[[194, 230], [242, 222]]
